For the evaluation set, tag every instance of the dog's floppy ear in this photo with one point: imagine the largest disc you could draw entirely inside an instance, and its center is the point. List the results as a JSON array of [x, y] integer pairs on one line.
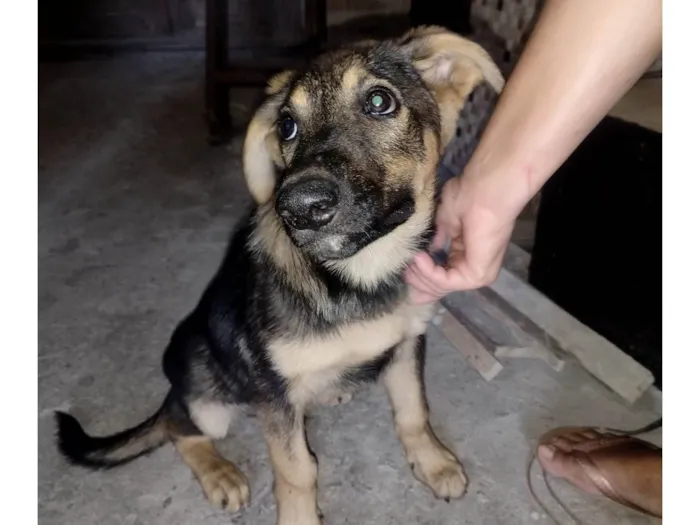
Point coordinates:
[[451, 66], [261, 153], [278, 82]]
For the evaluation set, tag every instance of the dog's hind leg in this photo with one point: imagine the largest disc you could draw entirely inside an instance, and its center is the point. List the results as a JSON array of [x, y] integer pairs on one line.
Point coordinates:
[[200, 413], [194, 433], [191, 426], [294, 466], [223, 484], [431, 462]]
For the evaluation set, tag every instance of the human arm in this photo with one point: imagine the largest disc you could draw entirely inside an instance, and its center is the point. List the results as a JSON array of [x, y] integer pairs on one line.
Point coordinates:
[[582, 57]]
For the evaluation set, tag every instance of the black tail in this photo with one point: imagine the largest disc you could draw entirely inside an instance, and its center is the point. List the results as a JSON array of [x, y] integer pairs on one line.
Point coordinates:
[[105, 452]]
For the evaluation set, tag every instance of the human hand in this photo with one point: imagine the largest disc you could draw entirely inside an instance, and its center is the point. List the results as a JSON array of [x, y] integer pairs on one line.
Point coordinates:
[[478, 237]]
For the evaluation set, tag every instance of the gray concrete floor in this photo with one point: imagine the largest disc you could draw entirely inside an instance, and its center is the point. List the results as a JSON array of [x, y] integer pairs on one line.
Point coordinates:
[[134, 213]]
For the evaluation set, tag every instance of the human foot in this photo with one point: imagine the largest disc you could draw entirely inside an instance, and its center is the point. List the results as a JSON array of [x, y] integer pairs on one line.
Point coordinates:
[[622, 468]]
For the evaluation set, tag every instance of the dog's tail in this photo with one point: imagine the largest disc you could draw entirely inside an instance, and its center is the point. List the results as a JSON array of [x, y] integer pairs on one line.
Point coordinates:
[[109, 451]]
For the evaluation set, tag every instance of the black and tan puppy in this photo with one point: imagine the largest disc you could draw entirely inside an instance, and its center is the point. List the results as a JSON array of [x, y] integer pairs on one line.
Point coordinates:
[[341, 161]]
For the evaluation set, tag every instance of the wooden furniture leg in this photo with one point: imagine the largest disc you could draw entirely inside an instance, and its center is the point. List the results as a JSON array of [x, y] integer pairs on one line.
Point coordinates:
[[217, 93], [222, 73]]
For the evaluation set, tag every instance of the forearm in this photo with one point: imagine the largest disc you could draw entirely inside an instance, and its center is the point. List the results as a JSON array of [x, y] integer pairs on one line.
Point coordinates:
[[582, 57]]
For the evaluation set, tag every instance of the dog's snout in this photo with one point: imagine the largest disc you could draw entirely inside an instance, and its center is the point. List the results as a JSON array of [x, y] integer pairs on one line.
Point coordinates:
[[309, 203]]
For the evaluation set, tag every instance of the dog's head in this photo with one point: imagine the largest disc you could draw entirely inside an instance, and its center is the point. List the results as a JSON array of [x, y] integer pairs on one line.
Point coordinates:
[[344, 153]]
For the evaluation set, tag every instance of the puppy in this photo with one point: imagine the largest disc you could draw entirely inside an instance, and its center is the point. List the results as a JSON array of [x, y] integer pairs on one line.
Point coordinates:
[[341, 162]]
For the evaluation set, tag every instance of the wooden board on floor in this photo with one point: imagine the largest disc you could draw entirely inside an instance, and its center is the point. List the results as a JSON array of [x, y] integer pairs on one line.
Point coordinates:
[[478, 356], [502, 334], [600, 357]]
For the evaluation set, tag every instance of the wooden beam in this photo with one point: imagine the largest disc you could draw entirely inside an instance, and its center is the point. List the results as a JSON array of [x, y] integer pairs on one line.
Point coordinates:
[[500, 333], [471, 348], [597, 355]]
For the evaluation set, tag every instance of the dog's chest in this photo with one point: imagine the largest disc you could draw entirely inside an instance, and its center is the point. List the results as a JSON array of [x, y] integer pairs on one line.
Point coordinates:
[[313, 363]]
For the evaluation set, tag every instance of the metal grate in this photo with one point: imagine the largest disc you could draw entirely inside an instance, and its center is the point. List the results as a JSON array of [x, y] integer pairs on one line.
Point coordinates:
[[502, 28]]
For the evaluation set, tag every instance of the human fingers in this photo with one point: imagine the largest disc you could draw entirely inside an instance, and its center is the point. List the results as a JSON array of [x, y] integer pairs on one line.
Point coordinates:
[[422, 291], [440, 279]]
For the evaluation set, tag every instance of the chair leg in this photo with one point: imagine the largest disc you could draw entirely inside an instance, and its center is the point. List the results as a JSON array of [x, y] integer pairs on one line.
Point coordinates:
[[217, 93]]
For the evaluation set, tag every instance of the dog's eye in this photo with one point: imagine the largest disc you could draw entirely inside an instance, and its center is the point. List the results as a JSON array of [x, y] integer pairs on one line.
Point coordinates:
[[380, 102], [287, 128]]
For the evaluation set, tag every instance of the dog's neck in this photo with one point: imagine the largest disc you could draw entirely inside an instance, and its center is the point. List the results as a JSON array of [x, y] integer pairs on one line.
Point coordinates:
[[366, 284]]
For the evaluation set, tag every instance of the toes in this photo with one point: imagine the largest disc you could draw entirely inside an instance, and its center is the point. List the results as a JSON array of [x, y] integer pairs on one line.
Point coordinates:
[[591, 434], [575, 437], [237, 494], [450, 483], [565, 466], [443, 474], [557, 462], [227, 489], [563, 443]]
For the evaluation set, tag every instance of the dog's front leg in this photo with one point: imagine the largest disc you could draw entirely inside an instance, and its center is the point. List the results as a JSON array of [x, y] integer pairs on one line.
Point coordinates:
[[431, 462], [294, 466]]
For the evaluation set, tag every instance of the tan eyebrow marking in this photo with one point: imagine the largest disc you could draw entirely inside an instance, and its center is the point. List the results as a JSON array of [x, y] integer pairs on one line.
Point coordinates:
[[351, 78], [300, 99]]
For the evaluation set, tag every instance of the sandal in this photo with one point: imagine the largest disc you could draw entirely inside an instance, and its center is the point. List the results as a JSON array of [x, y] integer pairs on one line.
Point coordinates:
[[588, 447]]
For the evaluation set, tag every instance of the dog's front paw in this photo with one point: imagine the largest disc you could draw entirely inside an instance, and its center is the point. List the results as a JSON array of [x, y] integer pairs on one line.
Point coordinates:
[[439, 469], [290, 516], [226, 487]]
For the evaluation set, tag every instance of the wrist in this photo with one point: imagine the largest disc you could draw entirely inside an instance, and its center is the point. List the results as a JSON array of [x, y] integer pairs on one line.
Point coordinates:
[[503, 190]]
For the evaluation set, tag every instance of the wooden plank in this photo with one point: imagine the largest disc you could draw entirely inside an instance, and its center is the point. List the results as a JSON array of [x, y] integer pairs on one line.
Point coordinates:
[[600, 357], [478, 356], [534, 351], [498, 332], [482, 319]]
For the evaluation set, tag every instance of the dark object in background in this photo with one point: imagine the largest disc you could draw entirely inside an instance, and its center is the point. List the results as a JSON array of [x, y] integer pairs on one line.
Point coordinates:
[[222, 72], [89, 20], [446, 13], [597, 250]]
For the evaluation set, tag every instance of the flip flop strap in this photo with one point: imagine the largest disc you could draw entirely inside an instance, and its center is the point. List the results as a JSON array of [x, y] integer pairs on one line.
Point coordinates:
[[643, 430], [602, 483]]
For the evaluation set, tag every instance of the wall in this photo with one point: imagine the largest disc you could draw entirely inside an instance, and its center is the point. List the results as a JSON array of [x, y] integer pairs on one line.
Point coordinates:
[[256, 23], [65, 20]]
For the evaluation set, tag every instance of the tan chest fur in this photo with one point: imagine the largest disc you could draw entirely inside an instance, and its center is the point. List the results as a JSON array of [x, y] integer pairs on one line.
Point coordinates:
[[314, 364]]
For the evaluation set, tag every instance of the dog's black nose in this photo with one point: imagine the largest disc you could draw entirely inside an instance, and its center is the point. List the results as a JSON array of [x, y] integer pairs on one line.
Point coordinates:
[[308, 204]]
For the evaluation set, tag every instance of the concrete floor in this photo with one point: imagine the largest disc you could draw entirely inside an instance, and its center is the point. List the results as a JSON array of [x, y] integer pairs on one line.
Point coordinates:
[[134, 212]]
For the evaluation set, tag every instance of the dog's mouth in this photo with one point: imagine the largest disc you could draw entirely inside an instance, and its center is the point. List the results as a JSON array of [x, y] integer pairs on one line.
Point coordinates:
[[323, 247], [356, 222]]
